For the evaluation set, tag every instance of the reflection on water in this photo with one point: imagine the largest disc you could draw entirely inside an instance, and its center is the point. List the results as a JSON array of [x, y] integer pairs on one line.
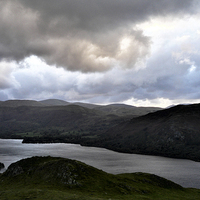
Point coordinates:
[[183, 172]]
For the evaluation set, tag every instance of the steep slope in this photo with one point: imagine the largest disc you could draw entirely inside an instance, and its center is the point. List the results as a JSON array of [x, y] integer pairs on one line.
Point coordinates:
[[173, 132], [60, 178]]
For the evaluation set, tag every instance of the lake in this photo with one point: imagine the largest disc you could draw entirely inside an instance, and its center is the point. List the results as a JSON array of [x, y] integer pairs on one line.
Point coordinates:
[[181, 171]]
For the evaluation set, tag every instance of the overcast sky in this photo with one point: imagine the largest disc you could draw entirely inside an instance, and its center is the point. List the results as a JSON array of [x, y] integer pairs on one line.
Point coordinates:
[[139, 52]]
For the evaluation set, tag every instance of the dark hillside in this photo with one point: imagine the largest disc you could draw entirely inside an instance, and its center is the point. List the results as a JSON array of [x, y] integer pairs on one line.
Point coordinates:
[[173, 132]]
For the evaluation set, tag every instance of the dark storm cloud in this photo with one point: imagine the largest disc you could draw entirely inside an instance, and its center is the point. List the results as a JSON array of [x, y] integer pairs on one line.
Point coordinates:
[[100, 15], [80, 35]]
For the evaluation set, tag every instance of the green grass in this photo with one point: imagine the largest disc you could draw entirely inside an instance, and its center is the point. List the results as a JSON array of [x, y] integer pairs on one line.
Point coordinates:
[[43, 178], [40, 193]]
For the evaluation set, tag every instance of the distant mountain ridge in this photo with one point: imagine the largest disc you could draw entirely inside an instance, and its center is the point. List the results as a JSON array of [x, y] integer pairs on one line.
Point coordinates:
[[54, 102], [17, 103], [123, 109], [115, 109]]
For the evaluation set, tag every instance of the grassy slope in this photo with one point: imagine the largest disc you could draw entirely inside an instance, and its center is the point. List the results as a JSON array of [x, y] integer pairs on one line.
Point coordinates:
[[58, 178]]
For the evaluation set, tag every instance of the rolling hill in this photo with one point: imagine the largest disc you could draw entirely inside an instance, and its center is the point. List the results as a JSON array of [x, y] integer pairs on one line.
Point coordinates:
[[113, 109], [52, 120], [56, 178], [54, 102], [58, 119]]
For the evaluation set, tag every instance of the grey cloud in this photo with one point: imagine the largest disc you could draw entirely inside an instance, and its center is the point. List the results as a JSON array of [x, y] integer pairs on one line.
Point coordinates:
[[164, 76], [96, 15], [80, 35], [113, 86]]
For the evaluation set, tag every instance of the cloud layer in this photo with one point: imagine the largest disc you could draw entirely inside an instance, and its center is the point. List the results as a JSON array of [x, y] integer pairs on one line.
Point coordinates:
[[100, 50], [84, 35]]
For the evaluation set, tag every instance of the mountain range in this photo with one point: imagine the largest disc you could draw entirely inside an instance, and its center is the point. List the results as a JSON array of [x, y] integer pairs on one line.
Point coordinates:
[[172, 132], [117, 109], [19, 118]]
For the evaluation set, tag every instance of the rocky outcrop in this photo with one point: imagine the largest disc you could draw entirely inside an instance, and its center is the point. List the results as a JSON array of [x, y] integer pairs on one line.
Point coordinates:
[[49, 170]]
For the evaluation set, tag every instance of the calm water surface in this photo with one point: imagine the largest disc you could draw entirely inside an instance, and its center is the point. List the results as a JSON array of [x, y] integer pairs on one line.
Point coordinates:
[[183, 172]]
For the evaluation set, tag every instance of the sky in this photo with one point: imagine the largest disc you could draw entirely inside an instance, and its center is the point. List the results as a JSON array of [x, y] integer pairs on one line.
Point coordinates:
[[138, 52]]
